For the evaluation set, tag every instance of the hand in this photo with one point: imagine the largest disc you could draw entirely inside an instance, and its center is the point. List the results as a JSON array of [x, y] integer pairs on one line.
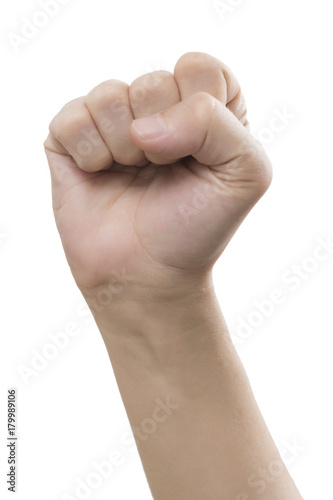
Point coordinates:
[[154, 177]]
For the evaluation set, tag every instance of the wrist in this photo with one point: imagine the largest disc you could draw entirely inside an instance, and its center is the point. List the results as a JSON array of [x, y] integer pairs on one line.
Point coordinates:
[[123, 290], [153, 312]]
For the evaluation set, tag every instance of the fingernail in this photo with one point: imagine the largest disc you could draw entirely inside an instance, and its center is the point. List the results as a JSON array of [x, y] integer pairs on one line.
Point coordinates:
[[150, 127]]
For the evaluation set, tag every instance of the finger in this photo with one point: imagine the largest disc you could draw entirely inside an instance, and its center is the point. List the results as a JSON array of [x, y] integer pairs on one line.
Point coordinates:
[[150, 94], [73, 131], [64, 173], [204, 128], [109, 106], [199, 72]]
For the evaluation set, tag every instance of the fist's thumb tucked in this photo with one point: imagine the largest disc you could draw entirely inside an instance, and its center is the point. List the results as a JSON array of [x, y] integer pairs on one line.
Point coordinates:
[[203, 127]]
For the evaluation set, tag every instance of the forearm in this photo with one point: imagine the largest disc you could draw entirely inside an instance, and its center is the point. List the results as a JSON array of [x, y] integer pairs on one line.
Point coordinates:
[[199, 432]]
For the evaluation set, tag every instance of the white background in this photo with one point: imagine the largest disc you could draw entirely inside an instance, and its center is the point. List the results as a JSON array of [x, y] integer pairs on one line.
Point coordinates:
[[70, 413]]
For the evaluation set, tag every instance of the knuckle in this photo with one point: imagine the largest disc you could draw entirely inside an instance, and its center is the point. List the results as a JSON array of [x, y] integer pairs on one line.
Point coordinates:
[[70, 126], [146, 85], [62, 120], [106, 94], [194, 63]]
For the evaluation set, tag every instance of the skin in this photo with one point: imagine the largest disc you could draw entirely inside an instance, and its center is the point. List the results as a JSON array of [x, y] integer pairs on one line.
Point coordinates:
[[150, 181]]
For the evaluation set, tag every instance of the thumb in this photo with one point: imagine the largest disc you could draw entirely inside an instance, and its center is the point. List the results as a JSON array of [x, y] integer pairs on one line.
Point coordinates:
[[203, 127]]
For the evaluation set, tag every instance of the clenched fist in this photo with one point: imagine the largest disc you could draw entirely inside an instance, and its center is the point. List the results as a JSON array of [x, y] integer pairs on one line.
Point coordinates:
[[150, 181], [154, 177]]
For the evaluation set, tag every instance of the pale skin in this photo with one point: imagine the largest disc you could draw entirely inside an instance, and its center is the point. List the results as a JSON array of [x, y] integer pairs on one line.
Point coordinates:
[[150, 181]]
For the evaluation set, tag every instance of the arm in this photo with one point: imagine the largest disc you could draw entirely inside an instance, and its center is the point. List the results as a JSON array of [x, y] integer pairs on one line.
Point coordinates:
[[150, 181], [197, 426]]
